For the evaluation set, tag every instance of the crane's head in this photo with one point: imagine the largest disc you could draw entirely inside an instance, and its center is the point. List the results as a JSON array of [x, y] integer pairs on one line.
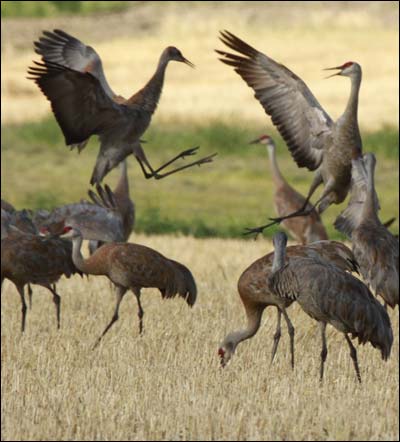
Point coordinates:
[[265, 140], [347, 69], [226, 350], [174, 54], [69, 232]]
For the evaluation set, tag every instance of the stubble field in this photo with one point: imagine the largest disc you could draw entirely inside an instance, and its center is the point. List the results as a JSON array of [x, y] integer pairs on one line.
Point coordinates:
[[167, 384]]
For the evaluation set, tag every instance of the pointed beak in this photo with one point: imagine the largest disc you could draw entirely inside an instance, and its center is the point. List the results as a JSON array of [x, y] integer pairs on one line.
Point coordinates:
[[256, 141], [331, 69], [189, 63]]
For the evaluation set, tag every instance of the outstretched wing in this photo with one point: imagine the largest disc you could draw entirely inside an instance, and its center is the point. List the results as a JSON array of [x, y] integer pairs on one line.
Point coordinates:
[[78, 101], [66, 50], [294, 110], [95, 222]]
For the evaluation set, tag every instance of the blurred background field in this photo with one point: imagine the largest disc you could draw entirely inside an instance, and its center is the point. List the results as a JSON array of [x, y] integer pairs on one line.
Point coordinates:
[[209, 106]]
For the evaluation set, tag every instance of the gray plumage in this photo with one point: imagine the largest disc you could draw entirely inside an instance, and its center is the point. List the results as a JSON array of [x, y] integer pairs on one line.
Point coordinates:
[[331, 296], [256, 295], [313, 139], [375, 248], [71, 76], [119, 199]]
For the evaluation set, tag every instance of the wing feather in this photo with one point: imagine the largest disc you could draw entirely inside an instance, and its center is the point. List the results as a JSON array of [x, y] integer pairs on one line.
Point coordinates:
[[294, 110]]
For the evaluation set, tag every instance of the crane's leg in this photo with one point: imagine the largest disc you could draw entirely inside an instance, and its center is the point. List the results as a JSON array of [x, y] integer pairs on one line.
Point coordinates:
[[353, 355], [136, 291], [277, 335], [120, 294], [57, 302], [30, 296], [324, 351], [291, 336], [23, 308], [300, 212], [154, 173]]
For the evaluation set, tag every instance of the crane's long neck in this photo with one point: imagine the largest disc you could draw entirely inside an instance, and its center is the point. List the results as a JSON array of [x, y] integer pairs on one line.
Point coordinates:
[[276, 173], [352, 104], [83, 265], [369, 206], [254, 314], [349, 127], [279, 257], [147, 98]]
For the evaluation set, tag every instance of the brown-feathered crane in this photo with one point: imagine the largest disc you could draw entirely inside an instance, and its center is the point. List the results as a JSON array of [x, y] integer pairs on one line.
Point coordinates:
[[287, 200], [13, 220], [71, 76], [375, 248], [256, 295], [331, 296], [31, 259], [133, 267], [314, 140]]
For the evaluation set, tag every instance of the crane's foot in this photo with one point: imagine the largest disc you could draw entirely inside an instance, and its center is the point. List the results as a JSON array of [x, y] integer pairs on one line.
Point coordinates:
[[204, 160], [257, 230], [188, 152]]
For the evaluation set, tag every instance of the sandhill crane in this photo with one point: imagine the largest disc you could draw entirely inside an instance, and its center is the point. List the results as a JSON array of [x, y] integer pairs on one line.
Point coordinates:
[[256, 295], [133, 266], [375, 248], [20, 220], [71, 76], [314, 140], [31, 259], [118, 199], [287, 200], [330, 295]]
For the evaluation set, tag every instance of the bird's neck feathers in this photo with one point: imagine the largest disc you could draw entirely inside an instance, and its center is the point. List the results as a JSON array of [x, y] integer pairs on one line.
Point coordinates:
[[147, 98]]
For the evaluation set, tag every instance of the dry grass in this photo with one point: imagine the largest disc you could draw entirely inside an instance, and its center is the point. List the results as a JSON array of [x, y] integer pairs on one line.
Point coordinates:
[[306, 37], [167, 385]]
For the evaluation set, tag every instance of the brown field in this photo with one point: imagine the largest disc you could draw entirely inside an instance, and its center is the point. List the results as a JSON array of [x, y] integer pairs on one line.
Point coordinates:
[[306, 36], [167, 384]]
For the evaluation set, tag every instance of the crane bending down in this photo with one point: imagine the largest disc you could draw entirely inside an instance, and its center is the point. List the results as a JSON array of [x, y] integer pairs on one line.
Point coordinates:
[[256, 295], [133, 266], [330, 295], [314, 140], [71, 76], [375, 248], [287, 200]]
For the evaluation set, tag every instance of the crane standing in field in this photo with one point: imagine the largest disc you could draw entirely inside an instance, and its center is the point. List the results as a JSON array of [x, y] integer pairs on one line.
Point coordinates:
[[31, 259], [133, 266], [287, 200], [13, 220], [256, 295], [71, 76], [330, 295], [375, 248], [314, 140]]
